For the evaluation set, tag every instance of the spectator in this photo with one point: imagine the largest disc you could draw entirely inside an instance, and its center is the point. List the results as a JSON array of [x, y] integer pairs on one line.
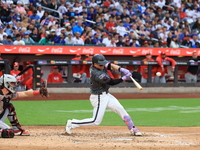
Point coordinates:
[[89, 39], [78, 28], [46, 39], [120, 43], [20, 9], [24, 23], [2, 33], [18, 40], [187, 42], [55, 76], [52, 35], [194, 39], [35, 35], [144, 69], [35, 16], [110, 24], [78, 72], [112, 43], [69, 39], [77, 40], [27, 39], [60, 39], [164, 45], [40, 12], [5, 12], [8, 40], [96, 40], [121, 29], [163, 69], [174, 42]]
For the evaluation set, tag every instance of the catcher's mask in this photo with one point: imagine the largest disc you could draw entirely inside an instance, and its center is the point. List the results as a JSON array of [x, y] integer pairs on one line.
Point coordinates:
[[8, 81]]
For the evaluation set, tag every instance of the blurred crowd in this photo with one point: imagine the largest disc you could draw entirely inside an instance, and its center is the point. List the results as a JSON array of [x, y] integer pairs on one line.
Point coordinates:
[[110, 23]]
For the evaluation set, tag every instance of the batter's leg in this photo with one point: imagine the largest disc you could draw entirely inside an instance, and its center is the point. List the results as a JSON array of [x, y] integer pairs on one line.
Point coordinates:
[[114, 105], [99, 103]]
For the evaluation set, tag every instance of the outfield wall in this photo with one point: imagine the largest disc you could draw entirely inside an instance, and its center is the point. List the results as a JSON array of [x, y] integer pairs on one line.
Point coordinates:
[[130, 90]]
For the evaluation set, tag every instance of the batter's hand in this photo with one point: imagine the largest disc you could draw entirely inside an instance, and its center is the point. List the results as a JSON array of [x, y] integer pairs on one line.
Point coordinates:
[[126, 77], [125, 71]]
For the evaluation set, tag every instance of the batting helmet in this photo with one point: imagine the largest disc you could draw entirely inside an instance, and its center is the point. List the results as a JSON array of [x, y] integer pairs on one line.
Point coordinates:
[[99, 59]]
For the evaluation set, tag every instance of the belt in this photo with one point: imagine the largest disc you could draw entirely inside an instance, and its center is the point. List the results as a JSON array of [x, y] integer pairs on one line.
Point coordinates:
[[191, 73], [102, 93]]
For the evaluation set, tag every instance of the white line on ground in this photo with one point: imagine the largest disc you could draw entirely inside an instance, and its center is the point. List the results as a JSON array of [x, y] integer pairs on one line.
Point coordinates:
[[156, 109], [184, 134], [182, 143], [161, 135]]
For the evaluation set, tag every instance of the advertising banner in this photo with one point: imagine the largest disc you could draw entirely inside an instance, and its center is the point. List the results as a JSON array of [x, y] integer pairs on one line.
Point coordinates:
[[71, 50]]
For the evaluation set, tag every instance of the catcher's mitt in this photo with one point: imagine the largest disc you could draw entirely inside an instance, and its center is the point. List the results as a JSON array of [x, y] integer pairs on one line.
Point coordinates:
[[43, 90]]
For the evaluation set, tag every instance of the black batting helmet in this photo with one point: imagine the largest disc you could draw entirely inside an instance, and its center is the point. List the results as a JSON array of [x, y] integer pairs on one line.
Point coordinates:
[[99, 59]]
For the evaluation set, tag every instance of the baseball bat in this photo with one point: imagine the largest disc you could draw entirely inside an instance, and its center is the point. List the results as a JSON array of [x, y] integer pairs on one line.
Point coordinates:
[[136, 84]]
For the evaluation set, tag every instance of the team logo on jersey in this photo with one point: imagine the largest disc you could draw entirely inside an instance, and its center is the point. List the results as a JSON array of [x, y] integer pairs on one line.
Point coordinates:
[[56, 78]]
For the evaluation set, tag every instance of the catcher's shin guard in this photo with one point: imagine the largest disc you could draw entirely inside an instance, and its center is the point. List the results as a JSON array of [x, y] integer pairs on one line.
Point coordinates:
[[12, 117]]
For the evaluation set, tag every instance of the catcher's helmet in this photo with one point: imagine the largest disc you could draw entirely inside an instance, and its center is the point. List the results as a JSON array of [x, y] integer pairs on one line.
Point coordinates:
[[8, 81], [99, 59]]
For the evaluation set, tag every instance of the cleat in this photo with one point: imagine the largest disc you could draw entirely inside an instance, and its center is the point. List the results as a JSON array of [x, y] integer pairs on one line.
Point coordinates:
[[69, 127], [135, 132], [22, 133]]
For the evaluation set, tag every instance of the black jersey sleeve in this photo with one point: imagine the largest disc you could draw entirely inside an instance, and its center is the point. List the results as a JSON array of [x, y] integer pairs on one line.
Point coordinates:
[[114, 81]]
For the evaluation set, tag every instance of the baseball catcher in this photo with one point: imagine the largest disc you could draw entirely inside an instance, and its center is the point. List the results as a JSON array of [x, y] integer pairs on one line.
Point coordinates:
[[7, 109]]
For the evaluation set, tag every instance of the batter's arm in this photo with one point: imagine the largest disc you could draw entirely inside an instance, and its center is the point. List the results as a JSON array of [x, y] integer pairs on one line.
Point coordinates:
[[111, 66]]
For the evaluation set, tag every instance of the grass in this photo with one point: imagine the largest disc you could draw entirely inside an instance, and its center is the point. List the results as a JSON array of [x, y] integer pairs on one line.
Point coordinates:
[[144, 112]]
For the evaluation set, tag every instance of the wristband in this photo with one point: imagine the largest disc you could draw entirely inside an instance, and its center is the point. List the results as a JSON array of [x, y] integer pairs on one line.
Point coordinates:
[[119, 69], [36, 92]]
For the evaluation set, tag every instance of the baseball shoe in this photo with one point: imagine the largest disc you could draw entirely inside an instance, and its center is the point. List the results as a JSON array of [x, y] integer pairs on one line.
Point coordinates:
[[22, 133], [69, 127], [135, 131]]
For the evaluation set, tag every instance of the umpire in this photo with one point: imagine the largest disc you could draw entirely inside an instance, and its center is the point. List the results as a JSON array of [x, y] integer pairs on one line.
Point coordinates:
[[191, 75], [101, 99]]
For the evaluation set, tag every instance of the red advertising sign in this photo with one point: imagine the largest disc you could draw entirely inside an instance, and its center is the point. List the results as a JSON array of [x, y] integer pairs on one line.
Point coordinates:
[[16, 49]]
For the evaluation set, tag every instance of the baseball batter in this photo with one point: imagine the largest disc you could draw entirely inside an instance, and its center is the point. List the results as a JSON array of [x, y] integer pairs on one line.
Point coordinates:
[[101, 99]]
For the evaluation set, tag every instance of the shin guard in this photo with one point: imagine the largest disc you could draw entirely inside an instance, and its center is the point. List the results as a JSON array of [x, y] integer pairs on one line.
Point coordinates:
[[129, 122], [12, 117]]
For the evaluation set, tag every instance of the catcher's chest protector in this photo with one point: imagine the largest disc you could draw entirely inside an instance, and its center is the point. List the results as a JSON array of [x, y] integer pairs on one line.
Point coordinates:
[[7, 133]]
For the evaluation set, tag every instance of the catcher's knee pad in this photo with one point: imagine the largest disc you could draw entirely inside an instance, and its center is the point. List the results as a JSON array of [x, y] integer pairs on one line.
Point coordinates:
[[7, 133]]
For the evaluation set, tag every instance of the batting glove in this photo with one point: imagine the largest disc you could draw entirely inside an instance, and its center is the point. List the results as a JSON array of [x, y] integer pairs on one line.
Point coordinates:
[[125, 71], [127, 76]]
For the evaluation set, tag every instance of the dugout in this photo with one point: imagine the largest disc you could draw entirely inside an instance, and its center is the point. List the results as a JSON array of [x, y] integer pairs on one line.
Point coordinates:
[[177, 82]]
